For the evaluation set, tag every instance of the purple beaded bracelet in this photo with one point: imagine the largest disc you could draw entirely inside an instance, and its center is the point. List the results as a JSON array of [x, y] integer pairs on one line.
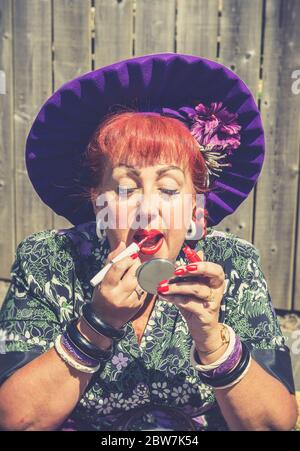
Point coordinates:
[[74, 352], [230, 362]]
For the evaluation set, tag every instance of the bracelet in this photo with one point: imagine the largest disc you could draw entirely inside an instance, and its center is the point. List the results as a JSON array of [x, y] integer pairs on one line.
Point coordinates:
[[234, 376], [85, 346], [72, 362], [231, 362], [99, 326], [225, 340], [238, 379], [75, 353], [222, 359]]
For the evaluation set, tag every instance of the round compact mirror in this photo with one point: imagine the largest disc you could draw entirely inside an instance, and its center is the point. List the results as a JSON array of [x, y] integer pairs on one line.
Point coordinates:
[[150, 273]]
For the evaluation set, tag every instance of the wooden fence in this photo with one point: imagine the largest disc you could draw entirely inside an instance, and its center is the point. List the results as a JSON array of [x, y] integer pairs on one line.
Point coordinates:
[[44, 43]]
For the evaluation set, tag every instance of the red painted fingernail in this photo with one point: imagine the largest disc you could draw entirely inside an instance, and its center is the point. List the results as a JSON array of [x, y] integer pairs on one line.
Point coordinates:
[[135, 255], [191, 267], [162, 289], [178, 272], [163, 281]]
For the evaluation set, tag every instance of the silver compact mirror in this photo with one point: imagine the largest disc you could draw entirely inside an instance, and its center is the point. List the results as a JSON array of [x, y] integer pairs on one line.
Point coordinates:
[[150, 273]]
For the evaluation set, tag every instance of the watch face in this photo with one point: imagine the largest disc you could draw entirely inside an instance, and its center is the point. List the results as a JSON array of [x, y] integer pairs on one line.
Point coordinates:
[[150, 273]]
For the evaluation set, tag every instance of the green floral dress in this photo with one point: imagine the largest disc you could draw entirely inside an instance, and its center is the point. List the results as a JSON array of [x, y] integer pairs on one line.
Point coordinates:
[[142, 387]]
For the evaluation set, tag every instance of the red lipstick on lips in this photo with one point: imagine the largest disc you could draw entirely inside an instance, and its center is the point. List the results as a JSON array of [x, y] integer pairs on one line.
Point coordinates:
[[150, 241]]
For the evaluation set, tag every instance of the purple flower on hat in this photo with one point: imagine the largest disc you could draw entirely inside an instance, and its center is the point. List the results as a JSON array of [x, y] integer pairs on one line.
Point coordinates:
[[217, 132], [215, 125]]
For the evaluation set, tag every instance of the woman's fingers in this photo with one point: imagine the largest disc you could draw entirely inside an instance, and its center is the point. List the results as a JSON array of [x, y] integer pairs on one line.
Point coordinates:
[[119, 268], [190, 305], [122, 274], [129, 280], [117, 271], [207, 269], [121, 246], [212, 272], [199, 290]]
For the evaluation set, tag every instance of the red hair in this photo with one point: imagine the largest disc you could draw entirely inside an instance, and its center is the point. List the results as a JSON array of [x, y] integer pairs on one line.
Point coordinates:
[[143, 139]]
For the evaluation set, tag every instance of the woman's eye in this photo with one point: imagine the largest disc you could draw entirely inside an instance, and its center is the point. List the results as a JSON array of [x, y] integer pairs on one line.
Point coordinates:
[[124, 191], [169, 192]]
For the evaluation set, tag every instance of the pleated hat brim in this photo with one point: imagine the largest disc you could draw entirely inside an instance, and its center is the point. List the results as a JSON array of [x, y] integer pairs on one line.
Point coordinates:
[[158, 82]]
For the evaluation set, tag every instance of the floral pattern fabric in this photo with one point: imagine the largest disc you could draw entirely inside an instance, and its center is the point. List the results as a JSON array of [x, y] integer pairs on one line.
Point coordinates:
[[142, 387]]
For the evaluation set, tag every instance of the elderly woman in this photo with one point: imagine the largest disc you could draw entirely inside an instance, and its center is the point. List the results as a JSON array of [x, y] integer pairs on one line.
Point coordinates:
[[204, 351]]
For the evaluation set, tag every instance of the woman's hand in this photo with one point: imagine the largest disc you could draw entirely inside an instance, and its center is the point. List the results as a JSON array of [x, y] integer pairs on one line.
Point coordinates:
[[114, 299], [207, 280]]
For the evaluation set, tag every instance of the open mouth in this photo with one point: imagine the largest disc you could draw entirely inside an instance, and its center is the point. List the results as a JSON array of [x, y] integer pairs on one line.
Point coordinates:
[[150, 241]]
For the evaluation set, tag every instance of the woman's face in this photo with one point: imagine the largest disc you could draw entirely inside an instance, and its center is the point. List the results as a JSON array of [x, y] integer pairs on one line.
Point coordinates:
[[157, 197]]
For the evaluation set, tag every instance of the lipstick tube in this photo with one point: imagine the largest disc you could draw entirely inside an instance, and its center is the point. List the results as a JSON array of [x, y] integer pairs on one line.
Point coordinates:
[[134, 247], [191, 255]]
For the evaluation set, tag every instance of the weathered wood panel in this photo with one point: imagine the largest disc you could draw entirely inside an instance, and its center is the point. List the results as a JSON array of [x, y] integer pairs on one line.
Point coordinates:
[[4, 285], [32, 86], [7, 174], [296, 284], [197, 27], [113, 31], [240, 50], [155, 26], [276, 203], [72, 28]]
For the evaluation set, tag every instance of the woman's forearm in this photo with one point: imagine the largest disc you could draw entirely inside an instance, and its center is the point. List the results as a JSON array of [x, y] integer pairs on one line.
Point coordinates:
[[258, 402], [43, 393]]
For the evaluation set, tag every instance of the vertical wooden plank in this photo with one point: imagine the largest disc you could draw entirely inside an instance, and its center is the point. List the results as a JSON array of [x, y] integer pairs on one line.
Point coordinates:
[[197, 27], [296, 294], [113, 31], [4, 285], [155, 26], [276, 201], [32, 84], [240, 51], [7, 210], [72, 50]]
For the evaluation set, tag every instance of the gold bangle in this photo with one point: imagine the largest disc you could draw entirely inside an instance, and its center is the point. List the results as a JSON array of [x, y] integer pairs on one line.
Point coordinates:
[[225, 337]]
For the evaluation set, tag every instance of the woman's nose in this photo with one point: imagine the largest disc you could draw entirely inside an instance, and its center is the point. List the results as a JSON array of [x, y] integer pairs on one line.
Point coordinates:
[[147, 209]]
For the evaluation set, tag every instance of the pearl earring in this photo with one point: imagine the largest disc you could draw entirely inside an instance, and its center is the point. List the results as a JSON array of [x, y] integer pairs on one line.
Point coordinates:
[[192, 231]]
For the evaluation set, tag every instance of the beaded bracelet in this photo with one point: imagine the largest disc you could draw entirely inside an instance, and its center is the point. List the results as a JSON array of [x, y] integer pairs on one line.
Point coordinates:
[[71, 361]]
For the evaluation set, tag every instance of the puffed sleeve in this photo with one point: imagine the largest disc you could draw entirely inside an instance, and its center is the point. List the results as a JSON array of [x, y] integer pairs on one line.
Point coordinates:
[[29, 320], [249, 311]]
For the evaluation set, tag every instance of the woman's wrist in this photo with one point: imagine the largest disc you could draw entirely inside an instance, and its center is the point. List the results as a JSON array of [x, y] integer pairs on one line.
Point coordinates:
[[98, 340], [210, 344], [112, 321]]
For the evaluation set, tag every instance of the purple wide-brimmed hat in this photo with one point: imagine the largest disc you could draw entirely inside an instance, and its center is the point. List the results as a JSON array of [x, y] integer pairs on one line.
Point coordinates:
[[210, 99]]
